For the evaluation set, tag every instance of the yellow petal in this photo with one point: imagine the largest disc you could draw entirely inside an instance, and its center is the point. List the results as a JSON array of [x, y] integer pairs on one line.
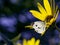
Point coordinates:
[[38, 15], [47, 7], [29, 42], [54, 18], [32, 41], [37, 42], [24, 42], [41, 9]]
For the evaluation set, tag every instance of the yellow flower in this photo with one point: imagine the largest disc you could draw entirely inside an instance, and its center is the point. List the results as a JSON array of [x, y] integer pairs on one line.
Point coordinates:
[[47, 11], [30, 42], [47, 14], [42, 15]]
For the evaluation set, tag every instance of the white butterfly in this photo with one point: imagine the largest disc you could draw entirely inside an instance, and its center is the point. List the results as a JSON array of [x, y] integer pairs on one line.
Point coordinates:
[[39, 27]]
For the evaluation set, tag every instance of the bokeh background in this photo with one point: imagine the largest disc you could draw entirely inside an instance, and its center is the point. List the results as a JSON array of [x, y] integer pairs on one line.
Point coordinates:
[[15, 15]]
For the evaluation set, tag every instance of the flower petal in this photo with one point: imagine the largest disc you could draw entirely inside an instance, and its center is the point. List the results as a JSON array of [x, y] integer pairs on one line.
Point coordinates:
[[38, 15], [37, 42], [47, 7], [41, 9]]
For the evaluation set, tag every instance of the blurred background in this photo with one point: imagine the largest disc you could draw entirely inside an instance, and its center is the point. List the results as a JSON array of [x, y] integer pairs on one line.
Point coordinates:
[[15, 15]]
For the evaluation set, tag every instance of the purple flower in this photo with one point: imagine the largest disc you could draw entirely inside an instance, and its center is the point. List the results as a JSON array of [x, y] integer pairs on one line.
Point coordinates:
[[27, 35], [27, 17], [22, 18], [57, 33], [30, 17], [9, 23]]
